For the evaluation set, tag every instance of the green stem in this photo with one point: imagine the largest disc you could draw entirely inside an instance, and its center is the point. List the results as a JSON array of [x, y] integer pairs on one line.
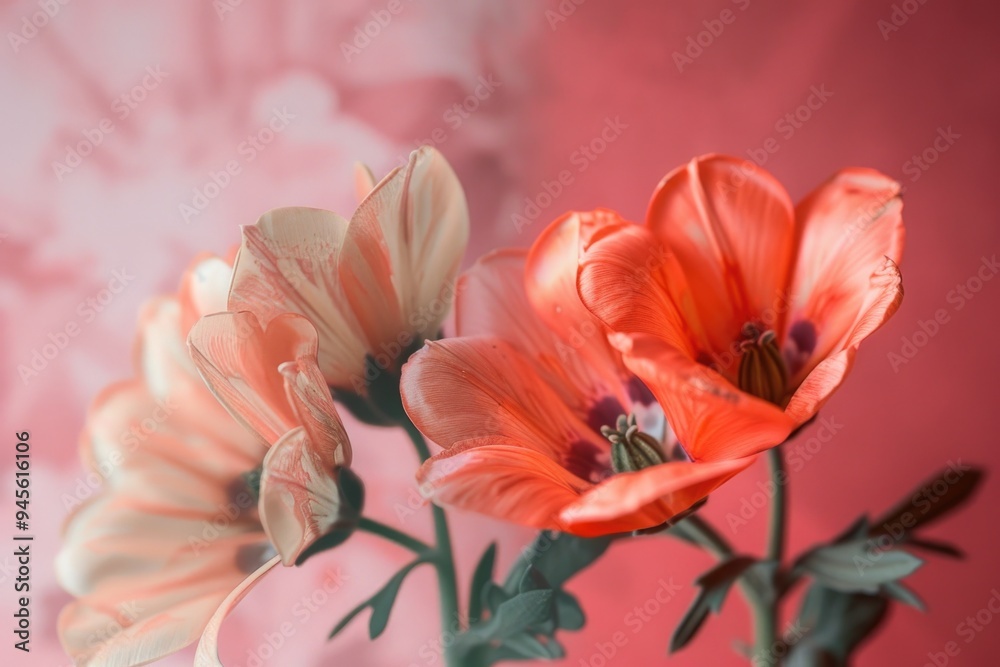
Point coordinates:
[[779, 506], [387, 532], [445, 561], [766, 612]]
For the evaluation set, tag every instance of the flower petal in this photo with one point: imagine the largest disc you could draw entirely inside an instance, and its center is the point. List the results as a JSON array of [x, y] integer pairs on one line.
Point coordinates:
[[582, 368], [712, 419], [299, 496], [634, 284], [502, 479], [208, 647], [847, 228], [364, 181], [240, 362], [465, 388], [731, 225], [288, 264], [650, 497], [403, 249], [882, 300]]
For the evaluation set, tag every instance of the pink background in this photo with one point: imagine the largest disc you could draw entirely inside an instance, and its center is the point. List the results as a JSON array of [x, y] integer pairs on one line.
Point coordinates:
[[559, 81]]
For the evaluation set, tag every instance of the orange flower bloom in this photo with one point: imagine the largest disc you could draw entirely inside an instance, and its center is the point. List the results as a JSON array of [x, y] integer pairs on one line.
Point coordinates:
[[520, 398], [741, 313]]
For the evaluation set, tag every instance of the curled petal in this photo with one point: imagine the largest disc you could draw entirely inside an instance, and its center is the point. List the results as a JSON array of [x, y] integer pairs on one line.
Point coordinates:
[[883, 299], [208, 648], [848, 228], [299, 497], [240, 362]]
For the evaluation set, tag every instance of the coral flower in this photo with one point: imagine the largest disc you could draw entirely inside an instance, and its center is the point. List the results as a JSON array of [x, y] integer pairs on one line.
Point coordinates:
[[541, 423], [375, 287], [742, 313], [175, 538]]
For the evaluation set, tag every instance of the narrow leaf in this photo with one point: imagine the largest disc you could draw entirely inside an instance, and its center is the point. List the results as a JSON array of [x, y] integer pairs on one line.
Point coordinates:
[[381, 603], [936, 497], [853, 566], [692, 621], [480, 577], [901, 593]]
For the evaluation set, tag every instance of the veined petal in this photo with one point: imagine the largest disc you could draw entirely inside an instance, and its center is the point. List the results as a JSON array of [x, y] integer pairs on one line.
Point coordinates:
[[882, 300], [503, 479], [848, 227], [208, 647], [465, 388], [731, 225], [364, 181], [712, 419], [288, 264], [634, 284], [403, 249], [310, 398], [650, 497], [240, 362], [493, 301], [299, 496]]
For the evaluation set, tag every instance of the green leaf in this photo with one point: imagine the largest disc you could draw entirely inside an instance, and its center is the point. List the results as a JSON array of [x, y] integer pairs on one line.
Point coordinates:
[[691, 622], [482, 575], [558, 557], [939, 495], [526, 646], [569, 613], [381, 602], [714, 585], [901, 593], [853, 566], [516, 615], [836, 623]]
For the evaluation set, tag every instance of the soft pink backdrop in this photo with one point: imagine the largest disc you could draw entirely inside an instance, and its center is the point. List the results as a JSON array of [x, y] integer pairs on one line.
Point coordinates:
[[552, 86]]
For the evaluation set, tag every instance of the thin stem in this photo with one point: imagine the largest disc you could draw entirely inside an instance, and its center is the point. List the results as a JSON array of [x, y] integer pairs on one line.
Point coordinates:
[[708, 537], [445, 561], [374, 527], [766, 612], [779, 506]]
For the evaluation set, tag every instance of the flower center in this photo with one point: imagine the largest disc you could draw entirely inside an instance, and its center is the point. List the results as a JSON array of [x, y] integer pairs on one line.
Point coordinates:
[[762, 370], [631, 449]]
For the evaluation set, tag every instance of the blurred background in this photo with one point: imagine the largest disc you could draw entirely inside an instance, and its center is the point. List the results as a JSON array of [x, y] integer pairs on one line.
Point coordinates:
[[119, 120]]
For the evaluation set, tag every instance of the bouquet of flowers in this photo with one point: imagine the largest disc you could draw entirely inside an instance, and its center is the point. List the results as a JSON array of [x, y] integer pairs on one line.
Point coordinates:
[[598, 387]]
